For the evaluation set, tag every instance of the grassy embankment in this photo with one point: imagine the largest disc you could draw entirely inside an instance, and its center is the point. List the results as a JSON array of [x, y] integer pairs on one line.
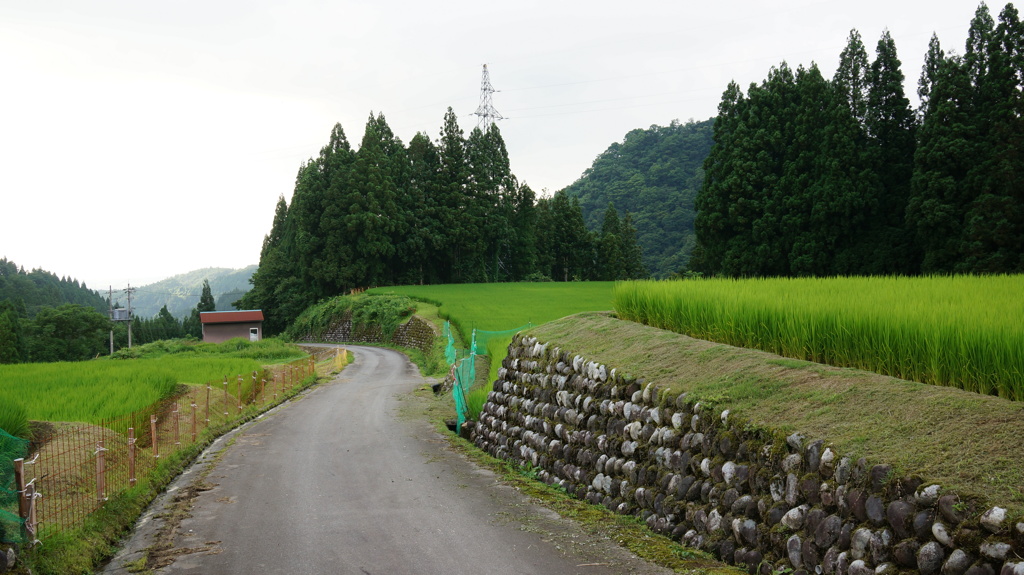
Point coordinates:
[[966, 442], [502, 307]]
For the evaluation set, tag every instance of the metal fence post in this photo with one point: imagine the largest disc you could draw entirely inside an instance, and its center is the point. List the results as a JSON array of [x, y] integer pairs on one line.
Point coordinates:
[[177, 423], [131, 456], [239, 393], [194, 406], [255, 390], [208, 386], [152, 429], [225, 396], [30, 521], [101, 472]]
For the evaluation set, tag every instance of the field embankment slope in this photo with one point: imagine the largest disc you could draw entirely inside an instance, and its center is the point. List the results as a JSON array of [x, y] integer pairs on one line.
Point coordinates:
[[967, 443]]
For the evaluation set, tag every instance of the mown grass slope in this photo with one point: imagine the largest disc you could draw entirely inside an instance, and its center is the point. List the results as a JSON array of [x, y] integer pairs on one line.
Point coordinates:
[[504, 306], [966, 442]]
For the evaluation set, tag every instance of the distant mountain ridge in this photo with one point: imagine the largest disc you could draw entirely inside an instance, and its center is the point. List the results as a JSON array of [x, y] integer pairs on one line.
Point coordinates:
[[653, 174], [181, 293]]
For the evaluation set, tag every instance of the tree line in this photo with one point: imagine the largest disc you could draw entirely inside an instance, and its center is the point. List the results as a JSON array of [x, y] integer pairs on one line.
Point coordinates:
[[811, 176], [430, 212], [71, 331]]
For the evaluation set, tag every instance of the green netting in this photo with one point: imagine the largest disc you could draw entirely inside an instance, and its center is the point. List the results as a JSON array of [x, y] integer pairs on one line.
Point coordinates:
[[465, 375], [489, 343], [11, 448], [449, 350]]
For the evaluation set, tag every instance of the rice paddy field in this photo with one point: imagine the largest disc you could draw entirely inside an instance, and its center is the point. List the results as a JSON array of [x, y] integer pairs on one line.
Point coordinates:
[[961, 331], [94, 391]]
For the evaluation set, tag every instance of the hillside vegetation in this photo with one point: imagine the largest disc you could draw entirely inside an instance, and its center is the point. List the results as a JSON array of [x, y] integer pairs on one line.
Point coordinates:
[[29, 291], [180, 293], [654, 176]]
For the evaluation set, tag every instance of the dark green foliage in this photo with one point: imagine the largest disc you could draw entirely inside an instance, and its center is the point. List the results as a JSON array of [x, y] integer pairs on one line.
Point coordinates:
[[30, 291], [811, 177], [786, 187], [69, 332], [967, 205], [449, 211], [654, 175], [385, 311]]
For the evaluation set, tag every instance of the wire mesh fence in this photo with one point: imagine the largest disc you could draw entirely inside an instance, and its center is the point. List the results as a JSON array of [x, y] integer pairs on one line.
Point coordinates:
[[79, 466]]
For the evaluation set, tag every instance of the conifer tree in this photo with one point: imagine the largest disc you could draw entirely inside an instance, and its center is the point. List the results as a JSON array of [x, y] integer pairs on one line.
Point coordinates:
[[851, 77]]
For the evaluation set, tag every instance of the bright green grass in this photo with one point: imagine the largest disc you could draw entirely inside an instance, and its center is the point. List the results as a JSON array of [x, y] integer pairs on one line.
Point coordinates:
[[92, 391], [963, 331], [505, 306]]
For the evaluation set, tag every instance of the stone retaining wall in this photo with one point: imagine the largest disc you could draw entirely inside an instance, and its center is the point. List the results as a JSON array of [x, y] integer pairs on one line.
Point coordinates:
[[752, 497], [416, 333]]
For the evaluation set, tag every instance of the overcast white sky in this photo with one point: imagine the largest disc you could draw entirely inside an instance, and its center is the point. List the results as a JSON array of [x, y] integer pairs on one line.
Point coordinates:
[[139, 140]]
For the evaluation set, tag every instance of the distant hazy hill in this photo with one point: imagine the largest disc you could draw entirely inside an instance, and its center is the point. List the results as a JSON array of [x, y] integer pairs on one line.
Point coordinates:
[[32, 290], [654, 174], [181, 292]]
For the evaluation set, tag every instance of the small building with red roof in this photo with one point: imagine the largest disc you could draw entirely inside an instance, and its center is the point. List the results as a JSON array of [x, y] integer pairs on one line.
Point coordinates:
[[219, 326]]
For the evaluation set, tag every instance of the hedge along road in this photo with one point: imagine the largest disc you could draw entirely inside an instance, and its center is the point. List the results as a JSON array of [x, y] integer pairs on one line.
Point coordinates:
[[339, 482]]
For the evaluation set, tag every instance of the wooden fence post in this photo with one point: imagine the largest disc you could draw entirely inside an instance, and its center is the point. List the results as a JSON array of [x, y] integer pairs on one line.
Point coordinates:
[[194, 406], [239, 393], [255, 389], [131, 456]]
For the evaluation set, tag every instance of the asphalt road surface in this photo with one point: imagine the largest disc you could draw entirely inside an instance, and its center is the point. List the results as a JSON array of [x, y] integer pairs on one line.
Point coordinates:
[[343, 480]]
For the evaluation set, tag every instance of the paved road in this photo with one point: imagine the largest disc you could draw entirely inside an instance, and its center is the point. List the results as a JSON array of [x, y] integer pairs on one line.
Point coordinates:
[[341, 481]]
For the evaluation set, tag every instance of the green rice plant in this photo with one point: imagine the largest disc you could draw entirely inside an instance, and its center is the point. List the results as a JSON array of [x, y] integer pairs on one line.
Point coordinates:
[[14, 419], [95, 391], [963, 331]]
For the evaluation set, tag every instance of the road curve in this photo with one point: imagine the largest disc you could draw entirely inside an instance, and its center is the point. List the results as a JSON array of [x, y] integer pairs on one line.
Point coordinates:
[[340, 481]]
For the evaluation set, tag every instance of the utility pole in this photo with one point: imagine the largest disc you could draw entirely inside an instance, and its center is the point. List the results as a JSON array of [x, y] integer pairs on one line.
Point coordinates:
[[110, 314], [486, 110], [129, 290]]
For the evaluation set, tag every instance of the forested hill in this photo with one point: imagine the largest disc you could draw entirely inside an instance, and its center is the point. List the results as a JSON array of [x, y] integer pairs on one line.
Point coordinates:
[[30, 291], [181, 293], [654, 175]]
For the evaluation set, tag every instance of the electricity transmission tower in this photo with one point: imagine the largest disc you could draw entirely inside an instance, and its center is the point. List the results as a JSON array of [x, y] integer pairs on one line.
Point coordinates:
[[486, 111]]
